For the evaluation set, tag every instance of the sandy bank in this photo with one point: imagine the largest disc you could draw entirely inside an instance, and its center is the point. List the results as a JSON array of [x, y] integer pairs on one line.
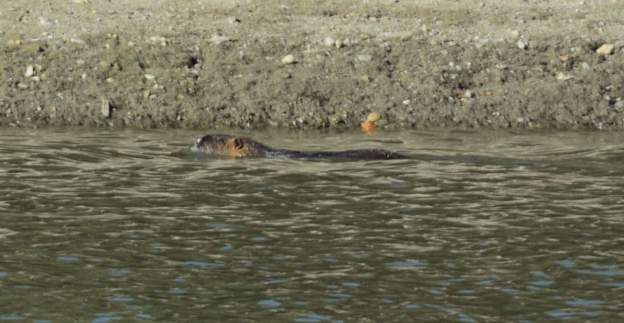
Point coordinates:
[[208, 63]]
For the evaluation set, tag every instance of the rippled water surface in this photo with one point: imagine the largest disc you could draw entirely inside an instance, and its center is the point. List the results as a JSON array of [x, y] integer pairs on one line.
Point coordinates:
[[474, 227]]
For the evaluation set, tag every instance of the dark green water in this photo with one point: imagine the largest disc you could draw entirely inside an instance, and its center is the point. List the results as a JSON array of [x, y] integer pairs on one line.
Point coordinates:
[[476, 227]]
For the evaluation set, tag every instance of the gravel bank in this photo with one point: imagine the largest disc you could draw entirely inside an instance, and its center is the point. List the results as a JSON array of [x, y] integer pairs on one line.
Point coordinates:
[[312, 64]]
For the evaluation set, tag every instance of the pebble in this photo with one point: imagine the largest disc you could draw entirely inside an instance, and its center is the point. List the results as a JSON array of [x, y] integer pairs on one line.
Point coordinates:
[[373, 117], [605, 49], [30, 71], [149, 77], [288, 59], [218, 39], [159, 39], [106, 109], [329, 41], [233, 20], [564, 77], [44, 22], [522, 44], [514, 33], [364, 58], [585, 66]]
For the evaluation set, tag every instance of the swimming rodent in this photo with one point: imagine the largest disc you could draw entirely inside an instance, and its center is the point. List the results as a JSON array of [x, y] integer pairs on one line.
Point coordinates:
[[242, 147]]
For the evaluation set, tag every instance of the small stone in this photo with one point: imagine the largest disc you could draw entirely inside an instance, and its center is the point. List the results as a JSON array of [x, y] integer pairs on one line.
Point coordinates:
[[339, 44], [106, 109], [585, 66], [605, 49], [514, 34], [564, 77], [44, 22], [30, 71], [149, 77], [218, 39], [373, 117], [110, 80], [522, 44], [364, 58], [233, 20], [22, 86], [288, 59], [468, 94], [77, 41], [159, 40], [329, 41], [619, 104], [406, 102]]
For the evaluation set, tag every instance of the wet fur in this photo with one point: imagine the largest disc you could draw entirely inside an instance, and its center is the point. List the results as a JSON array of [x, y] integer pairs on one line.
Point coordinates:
[[241, 147]]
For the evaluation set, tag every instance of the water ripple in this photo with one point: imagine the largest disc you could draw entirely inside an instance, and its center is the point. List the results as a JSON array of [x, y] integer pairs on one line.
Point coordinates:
[[476, 226]]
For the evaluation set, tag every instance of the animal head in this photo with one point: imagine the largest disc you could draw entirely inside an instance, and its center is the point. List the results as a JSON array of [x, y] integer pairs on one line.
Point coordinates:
[[224, 146]]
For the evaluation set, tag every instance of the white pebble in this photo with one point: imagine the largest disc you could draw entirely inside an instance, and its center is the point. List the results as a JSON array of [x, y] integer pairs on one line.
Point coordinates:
[[522, 44], [606, 49], [288, 59], [30, 71], [329, 41]]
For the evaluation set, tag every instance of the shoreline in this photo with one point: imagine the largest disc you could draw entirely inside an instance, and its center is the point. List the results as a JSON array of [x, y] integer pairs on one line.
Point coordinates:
[[311, 65]]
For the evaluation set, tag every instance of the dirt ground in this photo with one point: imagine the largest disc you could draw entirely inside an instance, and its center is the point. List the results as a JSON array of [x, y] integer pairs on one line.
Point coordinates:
[[225, 64]]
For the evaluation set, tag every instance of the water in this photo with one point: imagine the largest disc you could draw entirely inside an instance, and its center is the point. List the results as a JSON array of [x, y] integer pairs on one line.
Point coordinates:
[[477, 226]]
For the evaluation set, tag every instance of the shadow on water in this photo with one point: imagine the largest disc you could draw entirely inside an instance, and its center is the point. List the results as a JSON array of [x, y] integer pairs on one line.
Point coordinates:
[[474, 226]]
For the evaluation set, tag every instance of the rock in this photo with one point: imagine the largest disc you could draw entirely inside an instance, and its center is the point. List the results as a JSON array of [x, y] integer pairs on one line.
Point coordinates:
[[30, 71], [373, 117], [288, 59], [106, 109], [605, 49], [44, 22], [233, 20], [159, 40], [522, 44], [149, 77], [564, 77], [468, 94], [218, 39], [585, 66], [364, 58], [514, 34], [329, 41]]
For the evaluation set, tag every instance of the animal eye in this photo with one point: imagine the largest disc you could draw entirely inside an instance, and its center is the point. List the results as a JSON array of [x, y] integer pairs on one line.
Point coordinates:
[[238, 143]]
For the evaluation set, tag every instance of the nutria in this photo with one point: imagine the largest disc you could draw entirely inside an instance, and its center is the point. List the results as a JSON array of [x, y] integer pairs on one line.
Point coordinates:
[[239, 147]]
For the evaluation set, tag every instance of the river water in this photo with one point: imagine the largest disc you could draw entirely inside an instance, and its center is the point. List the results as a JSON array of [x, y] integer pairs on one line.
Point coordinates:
[[104, 226]]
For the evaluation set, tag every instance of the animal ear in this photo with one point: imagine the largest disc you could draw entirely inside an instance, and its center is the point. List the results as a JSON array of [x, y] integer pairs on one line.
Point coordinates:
[[238, 143]]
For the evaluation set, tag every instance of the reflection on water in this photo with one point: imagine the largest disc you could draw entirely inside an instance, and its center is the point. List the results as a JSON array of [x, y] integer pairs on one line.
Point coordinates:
[[476, 226]]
